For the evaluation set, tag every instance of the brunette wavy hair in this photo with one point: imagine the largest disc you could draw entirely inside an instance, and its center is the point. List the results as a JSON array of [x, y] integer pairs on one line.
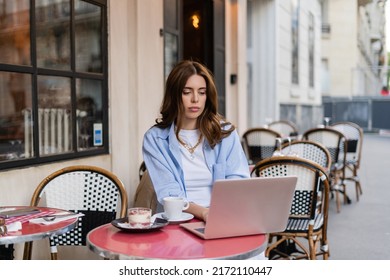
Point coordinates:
[[211, 124]]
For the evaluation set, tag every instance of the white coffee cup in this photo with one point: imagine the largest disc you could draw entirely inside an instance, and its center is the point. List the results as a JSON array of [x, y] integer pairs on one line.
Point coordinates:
[[174, 206]]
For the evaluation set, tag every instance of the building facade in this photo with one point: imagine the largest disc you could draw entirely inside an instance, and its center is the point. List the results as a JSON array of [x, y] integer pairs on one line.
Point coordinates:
[[283, 54], [354, 55]]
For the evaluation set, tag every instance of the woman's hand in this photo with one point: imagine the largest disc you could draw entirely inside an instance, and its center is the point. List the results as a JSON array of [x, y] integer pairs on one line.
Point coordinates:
[[198, 211], [205, 214]]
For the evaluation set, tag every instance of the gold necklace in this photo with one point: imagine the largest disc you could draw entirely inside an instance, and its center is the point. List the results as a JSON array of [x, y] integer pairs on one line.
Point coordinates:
[[190, 148]]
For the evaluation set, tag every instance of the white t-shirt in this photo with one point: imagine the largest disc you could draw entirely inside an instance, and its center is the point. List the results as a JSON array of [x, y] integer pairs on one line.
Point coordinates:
[[197, 176]]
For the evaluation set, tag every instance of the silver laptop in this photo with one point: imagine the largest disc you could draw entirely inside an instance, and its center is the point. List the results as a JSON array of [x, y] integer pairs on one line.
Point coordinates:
[[247, 206]]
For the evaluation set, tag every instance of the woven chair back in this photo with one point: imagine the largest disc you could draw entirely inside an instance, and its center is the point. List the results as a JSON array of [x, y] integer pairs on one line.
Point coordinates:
[[259, 143], [93, 191]]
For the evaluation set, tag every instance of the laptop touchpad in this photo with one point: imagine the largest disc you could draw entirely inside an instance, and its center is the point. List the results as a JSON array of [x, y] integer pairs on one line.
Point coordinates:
[[201, 230]]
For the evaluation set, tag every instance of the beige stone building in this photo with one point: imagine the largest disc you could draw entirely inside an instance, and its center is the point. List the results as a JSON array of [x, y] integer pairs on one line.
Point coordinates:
[[354, 55]]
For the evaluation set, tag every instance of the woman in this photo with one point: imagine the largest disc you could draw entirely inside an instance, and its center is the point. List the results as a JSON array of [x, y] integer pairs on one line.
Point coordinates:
[[191, 145]]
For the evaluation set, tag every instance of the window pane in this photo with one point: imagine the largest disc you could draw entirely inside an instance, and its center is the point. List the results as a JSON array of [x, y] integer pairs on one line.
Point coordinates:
[[295, 42], [15, 116], [89, 114], [171, 52], [53, 93], [88, 39], [53, 34], [54, 115], [170, 14], [311, 50], [15, 32]]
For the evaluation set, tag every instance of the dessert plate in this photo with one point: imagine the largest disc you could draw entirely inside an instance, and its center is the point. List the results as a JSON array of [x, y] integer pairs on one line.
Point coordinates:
[[123, 224], [184, 218]]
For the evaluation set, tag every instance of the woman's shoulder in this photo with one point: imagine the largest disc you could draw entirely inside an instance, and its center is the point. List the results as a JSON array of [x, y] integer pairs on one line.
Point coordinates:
[[229, 132], [157, 131]]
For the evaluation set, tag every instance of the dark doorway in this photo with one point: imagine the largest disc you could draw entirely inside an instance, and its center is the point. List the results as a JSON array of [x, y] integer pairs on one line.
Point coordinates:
[[195, 29], [198, 31]]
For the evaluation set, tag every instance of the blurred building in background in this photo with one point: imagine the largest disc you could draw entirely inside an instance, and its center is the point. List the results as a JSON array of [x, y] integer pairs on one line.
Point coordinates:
[[354, 55], [284, 62], [354, 77]]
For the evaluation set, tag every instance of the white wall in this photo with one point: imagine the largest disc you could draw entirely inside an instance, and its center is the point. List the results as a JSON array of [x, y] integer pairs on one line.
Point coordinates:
[[136, 81], [236, 94], [262, 61]]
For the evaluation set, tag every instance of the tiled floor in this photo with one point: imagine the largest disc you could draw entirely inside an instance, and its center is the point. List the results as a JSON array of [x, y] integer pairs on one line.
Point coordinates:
[[361, 231]]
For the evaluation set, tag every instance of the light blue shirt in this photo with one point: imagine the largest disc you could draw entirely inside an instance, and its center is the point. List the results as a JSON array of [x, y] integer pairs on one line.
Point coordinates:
[[162, 158]]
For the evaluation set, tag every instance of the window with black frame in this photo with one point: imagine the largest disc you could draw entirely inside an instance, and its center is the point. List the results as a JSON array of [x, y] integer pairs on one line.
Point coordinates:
[[53, 80]]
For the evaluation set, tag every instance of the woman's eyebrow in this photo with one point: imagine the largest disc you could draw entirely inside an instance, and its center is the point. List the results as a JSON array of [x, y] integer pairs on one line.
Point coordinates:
[[201, 88]]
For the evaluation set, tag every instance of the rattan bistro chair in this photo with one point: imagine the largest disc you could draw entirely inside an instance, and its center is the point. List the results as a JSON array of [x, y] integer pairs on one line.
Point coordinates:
[[336, 143], [310, 150], [309, 211], [91, 190], [284, 127], [354, 135], [260, 143]]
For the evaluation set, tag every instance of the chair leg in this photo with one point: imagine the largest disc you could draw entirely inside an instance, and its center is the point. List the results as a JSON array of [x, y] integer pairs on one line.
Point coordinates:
[[27, 250], [335, 189], [273, 246], [357, 183], [325, 249], [347, 200], [312, 248], [341, 188], [324, 243], [358, 189], [53, 252], [355, 179]]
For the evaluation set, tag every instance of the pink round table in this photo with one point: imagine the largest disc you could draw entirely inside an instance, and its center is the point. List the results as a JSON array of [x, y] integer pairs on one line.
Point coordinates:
[[31, 232], [170, 242]]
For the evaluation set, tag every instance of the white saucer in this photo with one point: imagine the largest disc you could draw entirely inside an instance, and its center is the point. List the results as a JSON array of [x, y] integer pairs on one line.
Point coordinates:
[[184, 218]]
